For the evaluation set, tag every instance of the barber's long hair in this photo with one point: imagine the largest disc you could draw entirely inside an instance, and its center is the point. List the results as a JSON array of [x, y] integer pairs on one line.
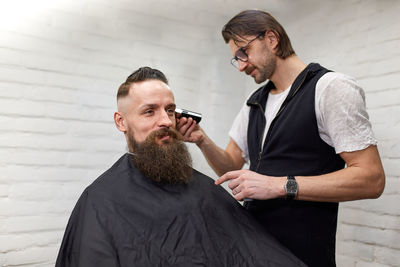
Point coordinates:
[[252, 23], [140, 75]]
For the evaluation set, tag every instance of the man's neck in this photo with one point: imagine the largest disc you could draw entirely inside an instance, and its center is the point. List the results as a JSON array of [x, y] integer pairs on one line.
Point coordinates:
[[286, 72]]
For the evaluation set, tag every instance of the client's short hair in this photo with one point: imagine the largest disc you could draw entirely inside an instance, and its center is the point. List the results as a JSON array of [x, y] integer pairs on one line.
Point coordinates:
[[140, 75]]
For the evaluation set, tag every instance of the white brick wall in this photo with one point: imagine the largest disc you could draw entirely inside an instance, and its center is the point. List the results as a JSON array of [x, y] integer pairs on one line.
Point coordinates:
[[61, 63]]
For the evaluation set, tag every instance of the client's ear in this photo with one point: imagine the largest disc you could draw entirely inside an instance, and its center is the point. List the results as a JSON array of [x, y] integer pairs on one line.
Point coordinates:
[[120, 121]]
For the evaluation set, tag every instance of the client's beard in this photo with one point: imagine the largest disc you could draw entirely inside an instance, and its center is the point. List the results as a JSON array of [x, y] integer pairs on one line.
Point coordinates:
[[167, 163]]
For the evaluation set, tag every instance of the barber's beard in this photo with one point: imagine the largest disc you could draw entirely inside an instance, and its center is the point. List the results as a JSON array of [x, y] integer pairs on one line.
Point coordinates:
[[268, 67], [169, 162]]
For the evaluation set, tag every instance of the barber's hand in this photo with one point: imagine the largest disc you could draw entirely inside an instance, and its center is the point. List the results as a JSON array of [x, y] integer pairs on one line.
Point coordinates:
[[190, 130], [249, 184]]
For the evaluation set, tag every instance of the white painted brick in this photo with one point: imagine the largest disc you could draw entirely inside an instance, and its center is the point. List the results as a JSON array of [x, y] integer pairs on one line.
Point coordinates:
[[392, 168], [382, 205], [388, 256], [369, 264], [387, 65], [388, 97], [23, 241], [96, 160], [89, 111], [15, 90], [366, 218], [4, 190], [57, 50], [31, 208], [50, 173], [51, 63], [43, 143], [358, 250], [381, 82], [380, 116], [389, 238], [345, 261], [392, 185], [25, 41], [45, 264], [382, 133], [390, 149], [46, 126], [21, 107], [29, 157], [36, 191], [35, 255], [22, 225], [33, 76]]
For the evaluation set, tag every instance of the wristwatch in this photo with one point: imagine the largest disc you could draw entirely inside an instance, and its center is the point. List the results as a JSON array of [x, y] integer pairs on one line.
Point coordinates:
[[291, 187]]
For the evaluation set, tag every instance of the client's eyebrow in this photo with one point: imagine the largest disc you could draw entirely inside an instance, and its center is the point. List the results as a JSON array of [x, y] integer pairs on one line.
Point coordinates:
[[172, 105], [155, 106], [149, 106]]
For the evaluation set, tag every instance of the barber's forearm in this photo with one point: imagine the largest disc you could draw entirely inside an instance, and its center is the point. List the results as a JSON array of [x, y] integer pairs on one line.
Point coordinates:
[[363, 178], [351, 183], [218, 159]]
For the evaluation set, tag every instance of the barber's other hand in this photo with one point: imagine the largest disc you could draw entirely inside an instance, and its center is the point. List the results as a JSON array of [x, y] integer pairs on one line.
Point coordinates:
[[249, 184], [190, 130]]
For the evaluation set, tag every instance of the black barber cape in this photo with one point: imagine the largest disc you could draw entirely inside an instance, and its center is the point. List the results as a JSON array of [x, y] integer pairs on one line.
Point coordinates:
[[125, 219]]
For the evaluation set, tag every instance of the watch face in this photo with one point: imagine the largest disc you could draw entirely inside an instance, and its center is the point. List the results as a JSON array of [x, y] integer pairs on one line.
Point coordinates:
[[291, 186]]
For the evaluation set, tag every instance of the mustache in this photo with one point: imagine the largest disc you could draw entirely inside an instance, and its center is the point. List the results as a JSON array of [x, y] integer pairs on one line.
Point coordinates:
[[166, 131]]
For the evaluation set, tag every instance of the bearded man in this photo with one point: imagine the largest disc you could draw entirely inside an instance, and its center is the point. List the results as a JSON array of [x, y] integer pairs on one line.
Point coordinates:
[[152, 209]]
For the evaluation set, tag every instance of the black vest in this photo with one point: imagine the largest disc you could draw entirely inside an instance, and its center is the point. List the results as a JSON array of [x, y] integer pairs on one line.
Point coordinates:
[[293, 147]]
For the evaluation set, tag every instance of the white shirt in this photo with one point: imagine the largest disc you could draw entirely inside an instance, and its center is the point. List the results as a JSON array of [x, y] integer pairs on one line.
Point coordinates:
[[342, 119]]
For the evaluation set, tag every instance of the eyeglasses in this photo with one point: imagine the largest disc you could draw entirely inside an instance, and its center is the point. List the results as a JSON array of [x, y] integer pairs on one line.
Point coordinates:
[[241, 52]]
